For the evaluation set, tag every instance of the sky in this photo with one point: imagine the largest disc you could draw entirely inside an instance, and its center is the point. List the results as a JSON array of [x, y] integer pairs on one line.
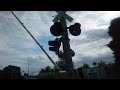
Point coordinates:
[[17, 47]]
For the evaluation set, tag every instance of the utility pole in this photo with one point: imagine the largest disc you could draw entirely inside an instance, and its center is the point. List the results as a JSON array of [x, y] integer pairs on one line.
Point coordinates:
[[28, 67], [66, 49], [62, 16]]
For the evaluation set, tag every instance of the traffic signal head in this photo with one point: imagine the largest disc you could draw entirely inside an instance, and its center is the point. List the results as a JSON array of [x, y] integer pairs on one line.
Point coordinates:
[[75, 29], [55, 45], [56, 29], [52, 43]]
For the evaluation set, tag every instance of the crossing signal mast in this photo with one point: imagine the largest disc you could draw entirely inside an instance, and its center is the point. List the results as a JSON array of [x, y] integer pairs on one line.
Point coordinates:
[[59, 28]]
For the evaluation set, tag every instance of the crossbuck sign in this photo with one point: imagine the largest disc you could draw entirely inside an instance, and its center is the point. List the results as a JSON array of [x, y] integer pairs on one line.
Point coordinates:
[[62, 14]]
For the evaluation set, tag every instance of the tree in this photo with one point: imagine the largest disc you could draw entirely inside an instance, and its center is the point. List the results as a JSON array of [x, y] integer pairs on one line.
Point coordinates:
[[25, 76], [86, 66], [61, 64], [114, 28], [101, 64], [42, 70], [94, 64], [12, 72], [80, 71], [1, 74], [114, 32], [48, 69]]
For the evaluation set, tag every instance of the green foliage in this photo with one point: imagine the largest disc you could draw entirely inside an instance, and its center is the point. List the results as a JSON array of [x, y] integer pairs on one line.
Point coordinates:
[[11, 72], [48, 69], [86, 66], [114, 32], [105, 71], [80, 72], [114, 27], [101, 64], [42, 71], [94, 63], [61, 65]]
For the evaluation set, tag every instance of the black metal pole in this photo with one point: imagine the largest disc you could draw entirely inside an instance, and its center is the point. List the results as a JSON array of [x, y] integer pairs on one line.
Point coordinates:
[[66, 49]]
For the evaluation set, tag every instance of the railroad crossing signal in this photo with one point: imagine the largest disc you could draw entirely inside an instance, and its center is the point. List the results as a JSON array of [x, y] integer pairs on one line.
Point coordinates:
[[56, 29], [61, 17], [75, 29], [62, 14]]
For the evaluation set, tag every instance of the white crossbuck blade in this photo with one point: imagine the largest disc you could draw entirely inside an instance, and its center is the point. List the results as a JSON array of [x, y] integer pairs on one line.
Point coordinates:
[[62, 14]]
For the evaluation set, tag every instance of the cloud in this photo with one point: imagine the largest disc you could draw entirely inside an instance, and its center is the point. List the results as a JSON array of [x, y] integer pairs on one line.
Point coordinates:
[[16, 45], [91, 44], [89, 60]]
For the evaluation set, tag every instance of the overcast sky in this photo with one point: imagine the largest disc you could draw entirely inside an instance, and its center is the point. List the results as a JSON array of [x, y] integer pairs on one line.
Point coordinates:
[[16, 46]]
